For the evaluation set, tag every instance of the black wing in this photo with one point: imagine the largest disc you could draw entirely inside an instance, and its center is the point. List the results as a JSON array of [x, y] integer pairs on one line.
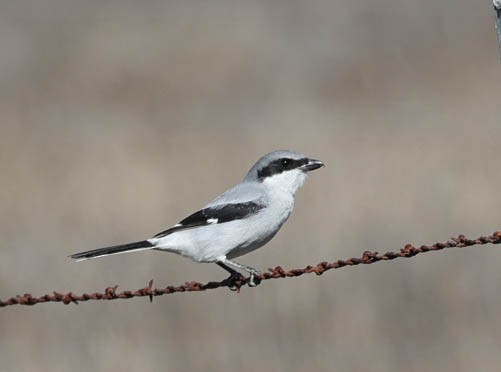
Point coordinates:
[[215, 215]]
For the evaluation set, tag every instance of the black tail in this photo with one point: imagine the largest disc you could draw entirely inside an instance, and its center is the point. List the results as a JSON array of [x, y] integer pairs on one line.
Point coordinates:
[[136, 246]]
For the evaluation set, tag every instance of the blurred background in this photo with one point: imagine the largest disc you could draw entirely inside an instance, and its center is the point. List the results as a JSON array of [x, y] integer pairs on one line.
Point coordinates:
[[119, 118]]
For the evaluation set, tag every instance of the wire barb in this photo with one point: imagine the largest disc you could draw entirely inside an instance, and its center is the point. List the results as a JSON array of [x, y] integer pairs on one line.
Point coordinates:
[[368, 257]]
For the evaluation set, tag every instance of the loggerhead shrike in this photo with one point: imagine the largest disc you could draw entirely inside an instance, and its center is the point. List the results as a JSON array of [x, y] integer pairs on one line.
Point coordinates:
[[237, 222]]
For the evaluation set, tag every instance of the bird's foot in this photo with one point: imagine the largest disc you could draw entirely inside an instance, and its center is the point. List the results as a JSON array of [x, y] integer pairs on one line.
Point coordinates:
[[235, 281], [254, 279]]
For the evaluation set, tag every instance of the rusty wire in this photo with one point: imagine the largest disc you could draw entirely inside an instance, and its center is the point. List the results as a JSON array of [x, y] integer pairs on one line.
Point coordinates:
[[368, 257]]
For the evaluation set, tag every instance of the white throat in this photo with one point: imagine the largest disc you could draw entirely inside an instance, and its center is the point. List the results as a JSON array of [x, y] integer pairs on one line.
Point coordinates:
[[288, 181]]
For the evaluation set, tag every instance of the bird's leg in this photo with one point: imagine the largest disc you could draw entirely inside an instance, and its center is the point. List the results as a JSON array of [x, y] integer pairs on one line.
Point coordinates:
[[252, 272]]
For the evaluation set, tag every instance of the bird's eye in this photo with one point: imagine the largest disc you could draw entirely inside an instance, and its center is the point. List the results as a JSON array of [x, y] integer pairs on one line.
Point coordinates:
[[285, 162]]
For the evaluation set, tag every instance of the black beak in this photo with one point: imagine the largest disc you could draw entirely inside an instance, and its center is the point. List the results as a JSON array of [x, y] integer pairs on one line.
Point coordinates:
[[312, 165]]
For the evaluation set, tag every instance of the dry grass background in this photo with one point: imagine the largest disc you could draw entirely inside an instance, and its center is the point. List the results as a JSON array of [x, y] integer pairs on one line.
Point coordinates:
[[119, 118]]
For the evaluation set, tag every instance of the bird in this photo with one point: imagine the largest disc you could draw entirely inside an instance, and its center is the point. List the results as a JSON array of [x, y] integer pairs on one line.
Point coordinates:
[[240, 220]]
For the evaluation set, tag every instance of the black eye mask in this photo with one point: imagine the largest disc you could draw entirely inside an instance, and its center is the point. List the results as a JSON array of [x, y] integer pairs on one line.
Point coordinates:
[[280, 165]]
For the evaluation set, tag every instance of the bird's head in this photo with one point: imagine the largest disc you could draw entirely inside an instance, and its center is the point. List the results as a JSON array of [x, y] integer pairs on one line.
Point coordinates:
[[283, 169]]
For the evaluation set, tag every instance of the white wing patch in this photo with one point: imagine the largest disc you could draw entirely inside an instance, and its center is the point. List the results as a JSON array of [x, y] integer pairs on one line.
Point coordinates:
[[212, 220]]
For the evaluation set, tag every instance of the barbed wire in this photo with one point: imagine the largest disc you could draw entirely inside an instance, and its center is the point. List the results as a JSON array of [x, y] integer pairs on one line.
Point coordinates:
[[368, 257]]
